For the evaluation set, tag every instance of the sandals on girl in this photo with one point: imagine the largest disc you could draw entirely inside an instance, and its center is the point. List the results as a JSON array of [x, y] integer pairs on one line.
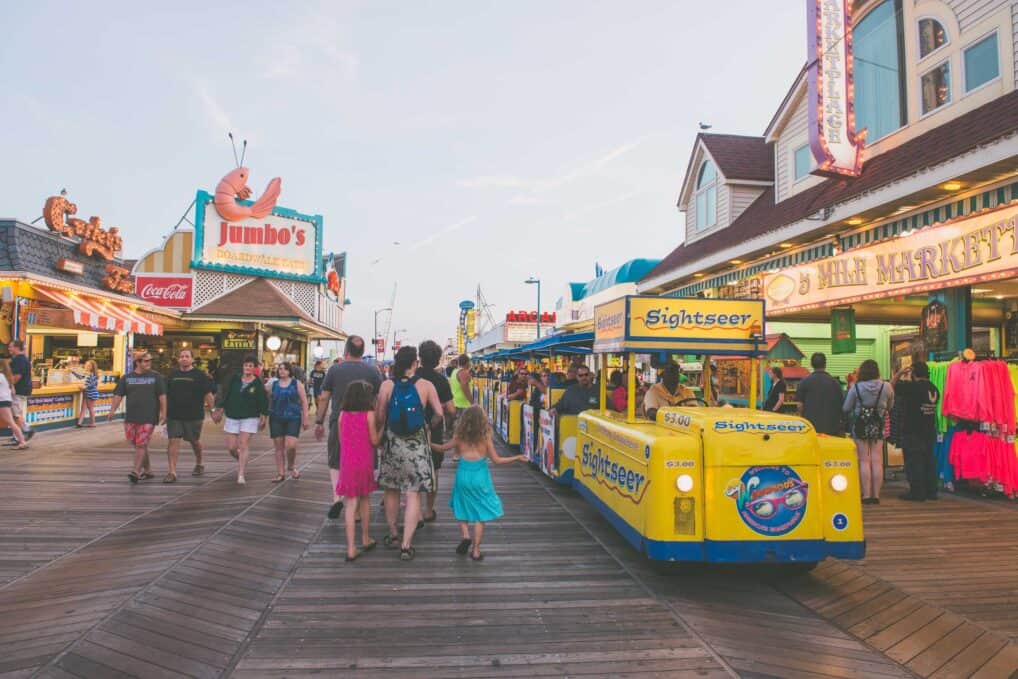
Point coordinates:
[[479, 557], [407, 553], [391, 541], [294, 474], [463, 546], [356, 556], [279, 479]]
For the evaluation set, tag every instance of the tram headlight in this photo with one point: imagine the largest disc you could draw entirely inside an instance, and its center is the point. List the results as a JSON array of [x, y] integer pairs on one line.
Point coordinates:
[[684, 483], [839, 483]]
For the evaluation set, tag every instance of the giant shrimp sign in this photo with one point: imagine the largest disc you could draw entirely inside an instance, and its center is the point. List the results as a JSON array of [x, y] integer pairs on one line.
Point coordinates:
[[236, 235], [835, 144]]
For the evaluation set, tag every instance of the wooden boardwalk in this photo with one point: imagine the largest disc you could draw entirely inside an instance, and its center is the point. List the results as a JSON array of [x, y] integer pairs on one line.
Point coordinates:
[[204, 578]]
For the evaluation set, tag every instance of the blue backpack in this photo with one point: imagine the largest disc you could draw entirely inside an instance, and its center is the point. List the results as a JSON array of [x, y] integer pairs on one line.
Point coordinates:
[[406, 412]]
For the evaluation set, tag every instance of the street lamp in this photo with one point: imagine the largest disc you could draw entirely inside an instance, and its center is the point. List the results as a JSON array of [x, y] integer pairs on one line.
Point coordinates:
[[395, 333], [537, 281], [374, 338]]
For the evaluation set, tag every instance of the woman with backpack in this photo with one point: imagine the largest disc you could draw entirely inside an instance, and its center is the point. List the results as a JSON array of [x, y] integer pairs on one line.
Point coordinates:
[[405, 465], [867, 403]]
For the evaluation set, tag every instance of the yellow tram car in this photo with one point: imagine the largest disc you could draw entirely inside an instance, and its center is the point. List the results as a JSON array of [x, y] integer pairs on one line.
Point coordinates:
[[708, 484]]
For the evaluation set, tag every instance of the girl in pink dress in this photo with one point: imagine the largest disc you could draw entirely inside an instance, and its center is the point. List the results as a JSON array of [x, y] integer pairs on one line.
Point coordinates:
[[358, 438]]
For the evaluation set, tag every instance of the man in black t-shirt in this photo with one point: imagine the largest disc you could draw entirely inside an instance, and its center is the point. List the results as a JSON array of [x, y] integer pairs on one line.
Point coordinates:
[[189, 392], [21, 367], [317, 378], [430, 354], [820, 398], [916, 400], [776, 396]]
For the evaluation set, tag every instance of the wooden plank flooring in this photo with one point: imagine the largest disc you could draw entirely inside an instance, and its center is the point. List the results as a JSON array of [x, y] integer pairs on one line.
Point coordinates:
[[203, 578]]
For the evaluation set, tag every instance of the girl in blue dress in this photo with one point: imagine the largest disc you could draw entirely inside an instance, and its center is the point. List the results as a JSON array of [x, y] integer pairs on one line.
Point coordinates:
[[474, 500]]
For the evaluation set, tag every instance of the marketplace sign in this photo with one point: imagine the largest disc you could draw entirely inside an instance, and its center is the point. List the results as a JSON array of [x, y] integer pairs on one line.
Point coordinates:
[[960, 252], [282, 244], [679, 325], [835, 144]]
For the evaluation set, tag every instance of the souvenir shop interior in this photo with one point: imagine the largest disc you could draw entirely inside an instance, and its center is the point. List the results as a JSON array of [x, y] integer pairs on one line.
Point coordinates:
[[975, 449]]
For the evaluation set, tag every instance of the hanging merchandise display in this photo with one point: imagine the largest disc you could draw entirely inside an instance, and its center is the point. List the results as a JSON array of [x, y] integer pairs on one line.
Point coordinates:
[[843, 330], [976, 423], [933, 326]]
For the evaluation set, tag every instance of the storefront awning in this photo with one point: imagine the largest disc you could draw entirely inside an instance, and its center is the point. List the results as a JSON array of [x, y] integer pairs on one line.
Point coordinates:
[[101, 314]]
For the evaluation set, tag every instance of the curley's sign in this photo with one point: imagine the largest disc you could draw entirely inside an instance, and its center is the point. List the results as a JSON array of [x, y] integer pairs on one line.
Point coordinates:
[[166, 291]]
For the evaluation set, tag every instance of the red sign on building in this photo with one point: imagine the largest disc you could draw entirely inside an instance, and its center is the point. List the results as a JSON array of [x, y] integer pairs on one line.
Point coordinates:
[[168, 291]]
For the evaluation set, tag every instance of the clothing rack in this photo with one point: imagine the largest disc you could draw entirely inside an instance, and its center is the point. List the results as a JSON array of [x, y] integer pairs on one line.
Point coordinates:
[[949, 355]]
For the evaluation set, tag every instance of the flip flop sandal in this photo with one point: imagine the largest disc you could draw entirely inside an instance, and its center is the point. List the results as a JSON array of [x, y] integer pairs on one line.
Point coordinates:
[[335, 509], [479, 557], [355, 556], [170, 478], [198, 470], [407, 553], [294, 474], [391, 541], [368, 547], [132, 477], [279, 479], [463, 547], [145, 476]]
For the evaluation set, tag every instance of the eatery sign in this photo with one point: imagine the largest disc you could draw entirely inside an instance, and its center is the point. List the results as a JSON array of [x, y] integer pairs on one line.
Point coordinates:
[[959, 252], [834, 142], [281, 244]]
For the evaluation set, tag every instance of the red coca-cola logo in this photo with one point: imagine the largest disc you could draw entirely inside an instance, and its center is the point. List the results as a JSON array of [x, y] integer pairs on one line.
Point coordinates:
[[169, 291]]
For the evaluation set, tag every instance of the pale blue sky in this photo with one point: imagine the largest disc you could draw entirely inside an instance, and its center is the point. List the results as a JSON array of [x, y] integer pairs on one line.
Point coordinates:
[[493, 140]]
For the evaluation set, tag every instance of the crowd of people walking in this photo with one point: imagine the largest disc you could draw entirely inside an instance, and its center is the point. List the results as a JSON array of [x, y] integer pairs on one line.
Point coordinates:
[[385, 432]]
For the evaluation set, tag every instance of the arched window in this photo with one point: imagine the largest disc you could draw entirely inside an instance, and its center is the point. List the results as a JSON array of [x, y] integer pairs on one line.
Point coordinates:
[[879, 57], [932, 36], [706, 196]]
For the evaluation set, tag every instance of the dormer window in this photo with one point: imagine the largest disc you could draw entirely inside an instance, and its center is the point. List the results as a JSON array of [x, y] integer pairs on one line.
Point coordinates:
[[932, 36], [706, 196]]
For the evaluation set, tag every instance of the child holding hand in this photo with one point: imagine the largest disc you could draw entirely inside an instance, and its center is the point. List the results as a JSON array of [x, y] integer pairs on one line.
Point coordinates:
[[473, 494], [358, 438]]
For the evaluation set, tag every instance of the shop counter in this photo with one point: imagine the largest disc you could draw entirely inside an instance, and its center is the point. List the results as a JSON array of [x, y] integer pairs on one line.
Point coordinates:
[[58, 405]]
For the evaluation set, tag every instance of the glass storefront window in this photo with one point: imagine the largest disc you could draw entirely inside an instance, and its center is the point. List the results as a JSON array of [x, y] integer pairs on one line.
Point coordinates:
[[932, 37], [706, 196], [936, 87], [877, 48], [981, 63]]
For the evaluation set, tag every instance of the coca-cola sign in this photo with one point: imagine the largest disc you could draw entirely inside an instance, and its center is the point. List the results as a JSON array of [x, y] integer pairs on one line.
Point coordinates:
[[168, 291]]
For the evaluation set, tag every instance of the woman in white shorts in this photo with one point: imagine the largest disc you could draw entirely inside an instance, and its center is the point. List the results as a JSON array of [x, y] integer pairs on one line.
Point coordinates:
[[245, 405]]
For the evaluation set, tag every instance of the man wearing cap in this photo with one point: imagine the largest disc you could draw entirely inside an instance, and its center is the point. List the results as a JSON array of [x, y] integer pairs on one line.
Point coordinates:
[[145, 392]]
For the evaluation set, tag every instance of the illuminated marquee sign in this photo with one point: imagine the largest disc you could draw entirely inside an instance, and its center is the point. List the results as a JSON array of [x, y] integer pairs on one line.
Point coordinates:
[[835, 144], [960, 252], [679, 325]]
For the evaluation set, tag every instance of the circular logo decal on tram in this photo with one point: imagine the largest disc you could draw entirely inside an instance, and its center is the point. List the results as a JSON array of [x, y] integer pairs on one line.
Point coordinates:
[[770, 500]]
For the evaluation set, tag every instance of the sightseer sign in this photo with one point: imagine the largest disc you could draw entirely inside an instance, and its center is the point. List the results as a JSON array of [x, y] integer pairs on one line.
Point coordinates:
[[834, 142], [958, 252], [677, 324], [236, 235]]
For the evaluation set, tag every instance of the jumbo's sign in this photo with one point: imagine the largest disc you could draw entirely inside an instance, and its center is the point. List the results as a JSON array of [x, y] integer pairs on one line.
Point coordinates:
[[835, 144], [258, 238], [960, 252], [679, 325]]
